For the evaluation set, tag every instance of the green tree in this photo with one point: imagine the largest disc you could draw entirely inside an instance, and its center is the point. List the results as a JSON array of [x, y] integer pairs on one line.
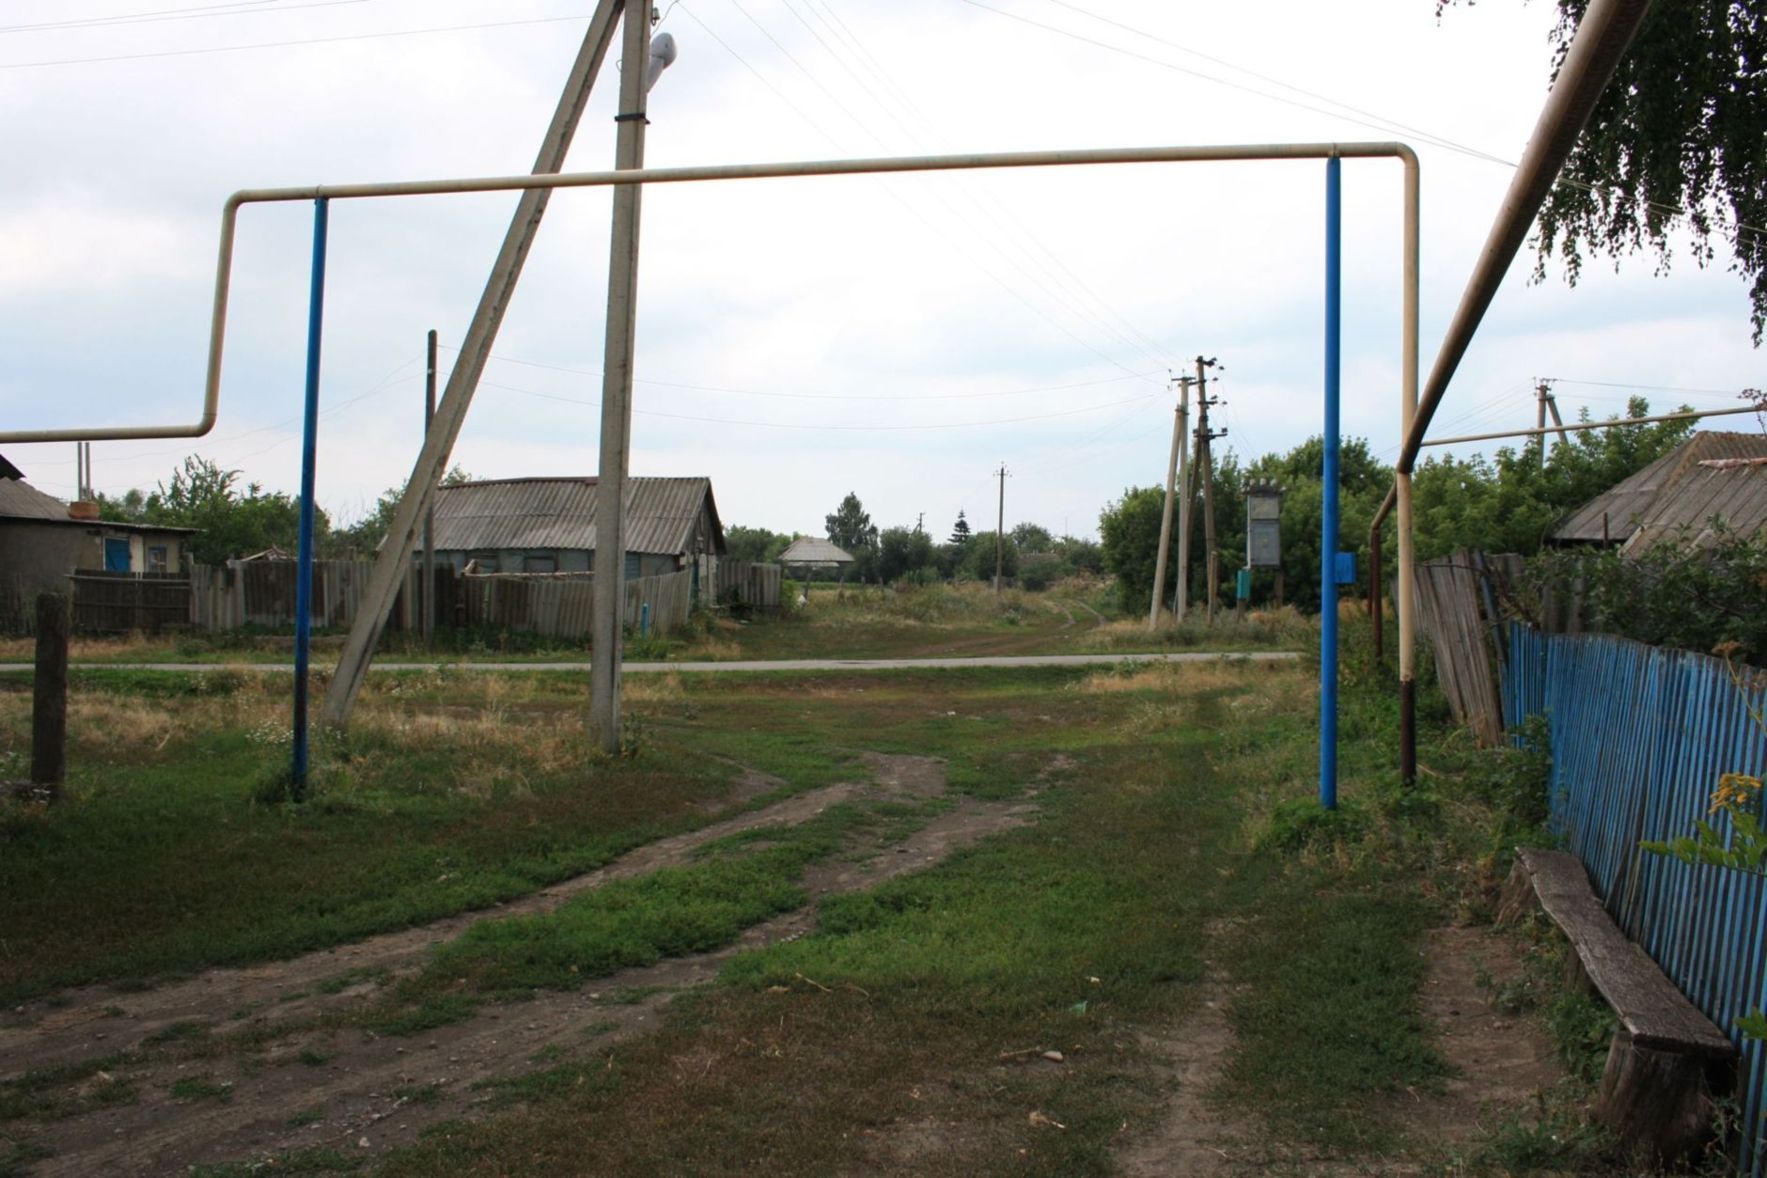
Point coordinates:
[[905, 554], [1512, 502], [1032, 538], [975, 560], [960, 530], [230, 522], [1673, 145], [1129, 533], [366, 534], [850, 527], [756, 545]]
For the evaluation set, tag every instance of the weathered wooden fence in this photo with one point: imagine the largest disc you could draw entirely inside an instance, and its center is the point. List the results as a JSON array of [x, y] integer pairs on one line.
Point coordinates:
[[560, 605], [262, 593], [745, 583], [1640, 736], [1457, 610], [118, 603]]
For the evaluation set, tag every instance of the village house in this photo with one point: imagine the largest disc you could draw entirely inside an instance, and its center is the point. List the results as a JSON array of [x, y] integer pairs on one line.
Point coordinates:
[[1712, 476], [547, 525], [42, 540]]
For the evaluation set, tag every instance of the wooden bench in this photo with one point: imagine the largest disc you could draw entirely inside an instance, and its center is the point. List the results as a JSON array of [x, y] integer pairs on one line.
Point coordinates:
[[1668, 1063]]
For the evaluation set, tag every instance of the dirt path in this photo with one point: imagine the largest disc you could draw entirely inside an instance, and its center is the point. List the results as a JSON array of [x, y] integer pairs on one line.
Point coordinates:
[[1498, 1064], [309, 1083]]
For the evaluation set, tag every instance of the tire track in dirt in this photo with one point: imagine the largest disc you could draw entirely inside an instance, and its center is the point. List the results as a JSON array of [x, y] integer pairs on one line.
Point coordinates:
[[358, 1093], [1498, 1064]]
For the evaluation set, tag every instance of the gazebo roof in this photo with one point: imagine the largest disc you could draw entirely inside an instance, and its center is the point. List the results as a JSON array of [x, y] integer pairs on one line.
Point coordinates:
[[810, 550]]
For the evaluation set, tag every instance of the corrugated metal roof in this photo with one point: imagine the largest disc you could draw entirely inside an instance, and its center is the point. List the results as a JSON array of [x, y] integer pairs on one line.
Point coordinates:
[[810, 550], [560, 513], [20, 500], [1676, 495]]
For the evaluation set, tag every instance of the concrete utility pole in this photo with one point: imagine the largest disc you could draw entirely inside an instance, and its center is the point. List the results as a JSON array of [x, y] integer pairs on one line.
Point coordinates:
[[1206, 460], [395, 553], [605, 637], [1540, 418], [429, 507], [1186, 506], [1551, 407], [1000, 532], [1180, 418]]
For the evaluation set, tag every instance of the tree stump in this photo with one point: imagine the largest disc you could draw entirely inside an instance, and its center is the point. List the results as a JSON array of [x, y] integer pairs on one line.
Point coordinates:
[[1660, 1102]]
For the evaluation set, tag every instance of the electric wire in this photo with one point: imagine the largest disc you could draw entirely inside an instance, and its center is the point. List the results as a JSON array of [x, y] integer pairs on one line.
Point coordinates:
[[892, 190], [816, 426], [152, 17], [892, 397], [335, 40], [1052, 290], [992, 208], [1360, 118]]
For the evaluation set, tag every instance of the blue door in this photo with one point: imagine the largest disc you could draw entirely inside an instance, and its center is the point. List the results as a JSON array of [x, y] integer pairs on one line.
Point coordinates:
[[116, 555]]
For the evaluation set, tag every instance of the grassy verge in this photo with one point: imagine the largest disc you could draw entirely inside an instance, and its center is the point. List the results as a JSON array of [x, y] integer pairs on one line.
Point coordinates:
[[451, 793], [906, 1034]]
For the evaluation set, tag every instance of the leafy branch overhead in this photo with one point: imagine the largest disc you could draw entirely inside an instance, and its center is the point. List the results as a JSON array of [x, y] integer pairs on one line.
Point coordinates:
[[1674, 144]]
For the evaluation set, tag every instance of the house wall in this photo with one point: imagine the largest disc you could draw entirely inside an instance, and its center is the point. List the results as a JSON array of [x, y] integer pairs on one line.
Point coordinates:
[[36, 557]]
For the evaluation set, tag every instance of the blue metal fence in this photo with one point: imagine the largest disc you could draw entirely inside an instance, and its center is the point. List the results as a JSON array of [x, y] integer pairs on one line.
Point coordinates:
[[1640, 736]]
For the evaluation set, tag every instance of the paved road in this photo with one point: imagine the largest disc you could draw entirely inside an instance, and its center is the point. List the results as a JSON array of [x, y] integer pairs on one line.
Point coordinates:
[[1016, 660]]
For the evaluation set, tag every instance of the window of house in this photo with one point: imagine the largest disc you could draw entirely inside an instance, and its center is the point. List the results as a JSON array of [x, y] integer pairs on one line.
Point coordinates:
[[486, 561], [156, 558], [539, 562]]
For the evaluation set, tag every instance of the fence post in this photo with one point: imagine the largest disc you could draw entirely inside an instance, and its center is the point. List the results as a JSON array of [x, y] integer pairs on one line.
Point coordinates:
[[49, 696]]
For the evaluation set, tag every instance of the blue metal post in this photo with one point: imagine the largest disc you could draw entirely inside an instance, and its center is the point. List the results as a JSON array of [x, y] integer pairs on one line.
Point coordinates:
[[1328, 528], [309, 458]]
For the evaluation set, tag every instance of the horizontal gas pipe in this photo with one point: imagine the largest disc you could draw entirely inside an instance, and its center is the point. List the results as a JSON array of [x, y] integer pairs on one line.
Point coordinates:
[[1602, 37], [1576, 426], [1225, 153]]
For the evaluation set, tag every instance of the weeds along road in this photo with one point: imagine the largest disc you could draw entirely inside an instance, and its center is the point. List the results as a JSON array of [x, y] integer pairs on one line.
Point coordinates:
[[745, 665]]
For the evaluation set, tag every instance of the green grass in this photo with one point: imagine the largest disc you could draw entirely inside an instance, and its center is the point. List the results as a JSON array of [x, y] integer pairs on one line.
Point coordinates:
[[161, 862], [671, 912], [47, 1094], [1063, 934], [1173, 829]]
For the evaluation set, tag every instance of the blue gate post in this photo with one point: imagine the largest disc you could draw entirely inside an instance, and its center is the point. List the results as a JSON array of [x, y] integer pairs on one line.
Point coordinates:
[[1328, 528], [309, 458]]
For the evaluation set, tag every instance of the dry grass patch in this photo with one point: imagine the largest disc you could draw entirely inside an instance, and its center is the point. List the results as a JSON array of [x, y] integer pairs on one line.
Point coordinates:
[[653, 689], [1225, 675]]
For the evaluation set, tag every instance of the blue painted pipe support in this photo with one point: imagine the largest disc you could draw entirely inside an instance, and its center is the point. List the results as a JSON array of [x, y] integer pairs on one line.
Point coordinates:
[[1328, 528], [309, 459]]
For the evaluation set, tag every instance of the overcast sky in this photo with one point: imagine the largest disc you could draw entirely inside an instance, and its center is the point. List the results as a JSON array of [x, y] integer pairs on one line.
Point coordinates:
[[797, 339]]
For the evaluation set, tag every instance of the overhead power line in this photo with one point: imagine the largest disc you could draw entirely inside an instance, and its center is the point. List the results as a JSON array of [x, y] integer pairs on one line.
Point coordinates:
[[164, 15], [703, 388], [381, 36], [889, 427]]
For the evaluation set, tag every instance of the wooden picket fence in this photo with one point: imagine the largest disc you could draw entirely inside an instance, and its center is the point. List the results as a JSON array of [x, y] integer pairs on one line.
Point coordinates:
[[262, 593], [1458, 611], [747, 584], [561, 605], [120, 603]]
